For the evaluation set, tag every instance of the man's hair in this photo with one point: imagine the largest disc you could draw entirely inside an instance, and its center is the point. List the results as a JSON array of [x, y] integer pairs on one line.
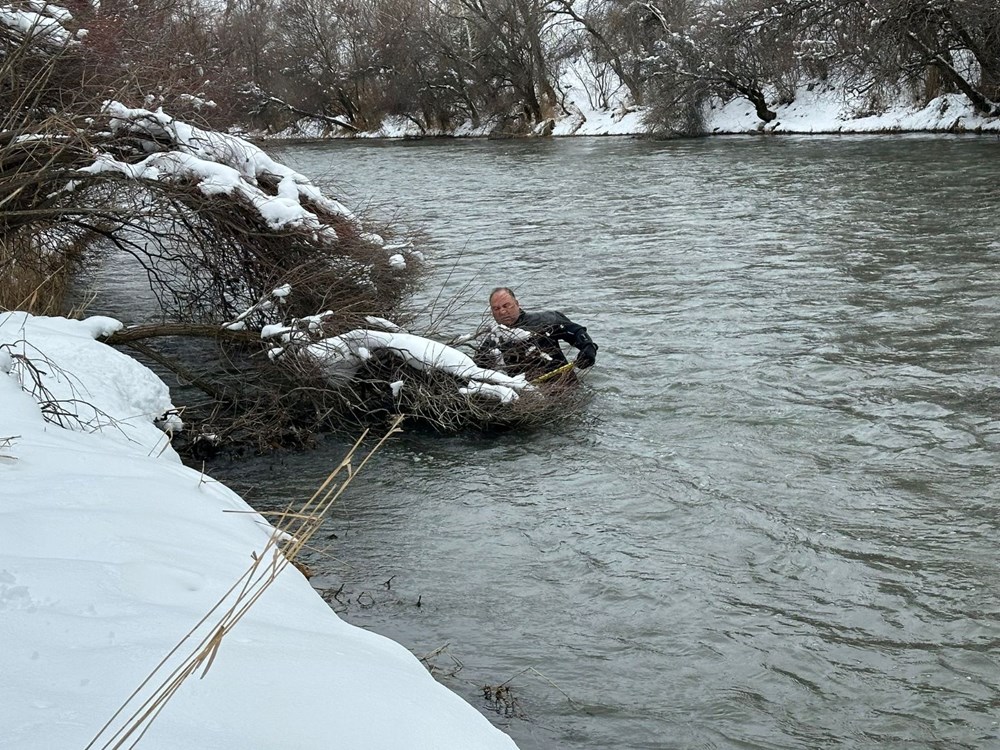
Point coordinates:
[[503, 289]]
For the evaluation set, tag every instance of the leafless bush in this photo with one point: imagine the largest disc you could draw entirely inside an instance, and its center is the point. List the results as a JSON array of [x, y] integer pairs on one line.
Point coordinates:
[[78, 179], [30, 367], [677, 106], [385, 387], [40, 77], [31, 279]]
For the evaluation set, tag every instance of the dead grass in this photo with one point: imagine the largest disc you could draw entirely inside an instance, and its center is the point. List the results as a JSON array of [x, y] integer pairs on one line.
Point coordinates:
[[292, 532], [31, 279]]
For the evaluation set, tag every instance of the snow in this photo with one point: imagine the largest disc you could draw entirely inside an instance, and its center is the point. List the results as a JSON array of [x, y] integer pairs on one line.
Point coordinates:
[[816, 108], [340, 356], [111, 551], [382, 323], [500, 392], [827, 109], [279, 211], [43, 23], [221, 164]]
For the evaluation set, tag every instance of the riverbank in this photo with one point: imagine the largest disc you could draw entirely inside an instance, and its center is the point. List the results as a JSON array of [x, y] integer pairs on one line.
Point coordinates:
[[816, 109], [111, 551]]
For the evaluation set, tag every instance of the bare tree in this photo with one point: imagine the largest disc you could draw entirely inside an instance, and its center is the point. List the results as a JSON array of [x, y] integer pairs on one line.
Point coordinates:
[[617, 40], [78, 178], [744, 48], [351, 63], [959, 40], [457, 79], [508, 38]]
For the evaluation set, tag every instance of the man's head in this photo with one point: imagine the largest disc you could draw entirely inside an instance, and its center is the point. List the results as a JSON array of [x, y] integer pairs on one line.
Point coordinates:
[[504, 306]]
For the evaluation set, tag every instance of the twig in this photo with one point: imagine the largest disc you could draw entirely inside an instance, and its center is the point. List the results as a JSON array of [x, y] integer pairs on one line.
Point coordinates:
[[572, 702], [228, 610]]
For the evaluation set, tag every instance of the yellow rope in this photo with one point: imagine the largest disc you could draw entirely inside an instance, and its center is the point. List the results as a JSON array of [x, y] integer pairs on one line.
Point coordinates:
[[555, 373]]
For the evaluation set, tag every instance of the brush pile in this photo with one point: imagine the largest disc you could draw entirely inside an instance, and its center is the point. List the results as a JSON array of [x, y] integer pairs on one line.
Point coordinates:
[[380, 371]]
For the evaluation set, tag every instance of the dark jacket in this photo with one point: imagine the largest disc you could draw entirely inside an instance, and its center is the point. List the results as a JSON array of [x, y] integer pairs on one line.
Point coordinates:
[[539, 352]]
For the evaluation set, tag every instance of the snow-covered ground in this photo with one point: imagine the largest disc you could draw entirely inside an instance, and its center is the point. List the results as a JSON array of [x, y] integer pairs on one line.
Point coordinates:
[[821, 108], [824, 110], [112, 553]]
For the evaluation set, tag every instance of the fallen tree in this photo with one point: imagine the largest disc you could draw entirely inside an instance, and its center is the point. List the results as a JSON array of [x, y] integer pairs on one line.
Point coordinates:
[[382, 371]]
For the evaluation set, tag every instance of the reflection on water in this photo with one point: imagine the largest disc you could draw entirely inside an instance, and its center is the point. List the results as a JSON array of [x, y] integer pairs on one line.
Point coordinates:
[[776, 525]]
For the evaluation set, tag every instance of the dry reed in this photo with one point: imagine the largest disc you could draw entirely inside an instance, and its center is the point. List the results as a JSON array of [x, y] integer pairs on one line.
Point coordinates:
[[132, 720]]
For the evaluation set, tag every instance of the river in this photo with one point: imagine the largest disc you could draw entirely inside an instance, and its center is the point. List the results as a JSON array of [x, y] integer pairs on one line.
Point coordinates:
[[776, 524]]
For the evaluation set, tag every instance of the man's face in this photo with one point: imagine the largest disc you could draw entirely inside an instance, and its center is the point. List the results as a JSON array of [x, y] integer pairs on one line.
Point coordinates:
[[505, 308]]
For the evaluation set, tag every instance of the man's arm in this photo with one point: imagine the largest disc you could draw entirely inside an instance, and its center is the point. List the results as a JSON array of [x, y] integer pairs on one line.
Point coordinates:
[[575, 335], [583, 342]]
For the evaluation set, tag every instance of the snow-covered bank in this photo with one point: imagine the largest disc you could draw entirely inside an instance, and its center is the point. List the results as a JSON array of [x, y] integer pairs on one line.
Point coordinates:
[[825, 111], [817, 109], [111, 551]]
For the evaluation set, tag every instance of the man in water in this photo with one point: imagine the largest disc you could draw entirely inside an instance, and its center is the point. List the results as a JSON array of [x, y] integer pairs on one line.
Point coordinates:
[[528, 342]]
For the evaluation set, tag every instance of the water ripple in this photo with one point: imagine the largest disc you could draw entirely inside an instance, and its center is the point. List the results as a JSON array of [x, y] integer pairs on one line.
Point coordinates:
[[777, 525]]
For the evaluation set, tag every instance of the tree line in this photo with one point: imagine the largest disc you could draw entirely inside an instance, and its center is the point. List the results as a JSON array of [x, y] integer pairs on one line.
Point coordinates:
[[502, 63]]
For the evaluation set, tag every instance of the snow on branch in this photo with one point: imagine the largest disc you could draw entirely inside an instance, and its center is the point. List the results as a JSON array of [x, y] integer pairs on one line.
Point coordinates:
[[340, 357], [268, 302], [355, 347], [43, 24], [219, 164]]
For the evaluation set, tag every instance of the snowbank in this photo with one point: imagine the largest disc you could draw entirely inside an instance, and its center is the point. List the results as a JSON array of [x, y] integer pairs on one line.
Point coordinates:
[[815, 109], [111, 551], [828, 110]]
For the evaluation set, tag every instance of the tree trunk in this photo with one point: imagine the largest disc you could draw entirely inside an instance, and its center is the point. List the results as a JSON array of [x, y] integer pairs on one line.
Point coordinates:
[[979, 100], [755, 96], [201, 330]]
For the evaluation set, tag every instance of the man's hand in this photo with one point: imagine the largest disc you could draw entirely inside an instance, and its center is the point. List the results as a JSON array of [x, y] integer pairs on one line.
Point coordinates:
[[586, 357]]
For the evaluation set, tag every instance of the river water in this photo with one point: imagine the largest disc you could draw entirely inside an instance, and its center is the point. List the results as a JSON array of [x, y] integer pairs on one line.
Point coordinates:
[[775, 525]]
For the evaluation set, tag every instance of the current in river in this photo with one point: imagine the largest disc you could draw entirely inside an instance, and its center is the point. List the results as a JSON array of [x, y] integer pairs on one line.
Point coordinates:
[[775, 524]]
